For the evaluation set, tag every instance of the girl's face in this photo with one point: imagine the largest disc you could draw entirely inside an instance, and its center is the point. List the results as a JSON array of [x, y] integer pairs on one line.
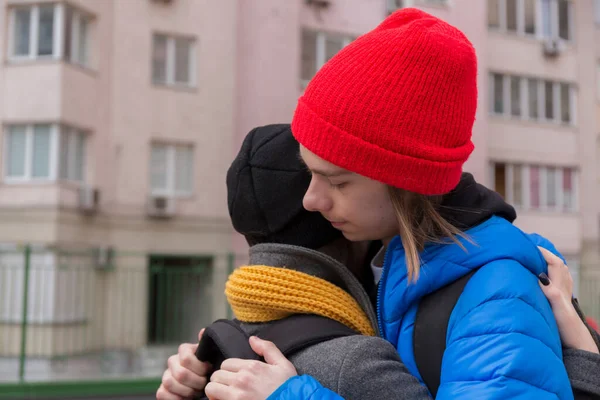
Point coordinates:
[[358, 206]]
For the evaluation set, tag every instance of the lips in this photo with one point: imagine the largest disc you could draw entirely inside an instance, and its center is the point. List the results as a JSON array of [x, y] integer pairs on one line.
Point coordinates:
[[337, 224]]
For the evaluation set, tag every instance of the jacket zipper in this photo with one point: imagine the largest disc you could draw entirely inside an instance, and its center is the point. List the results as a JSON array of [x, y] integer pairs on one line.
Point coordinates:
[[384, 273]]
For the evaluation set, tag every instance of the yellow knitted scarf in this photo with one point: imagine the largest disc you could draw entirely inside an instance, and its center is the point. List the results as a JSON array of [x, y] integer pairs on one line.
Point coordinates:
[[260, 293]]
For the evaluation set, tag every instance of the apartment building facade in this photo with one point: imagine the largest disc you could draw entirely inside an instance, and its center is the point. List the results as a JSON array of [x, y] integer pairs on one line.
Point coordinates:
[[120, 118], [536, 130], [117, 129]]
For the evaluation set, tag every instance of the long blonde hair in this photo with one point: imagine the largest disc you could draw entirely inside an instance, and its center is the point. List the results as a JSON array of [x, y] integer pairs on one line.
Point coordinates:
[[419, 223]]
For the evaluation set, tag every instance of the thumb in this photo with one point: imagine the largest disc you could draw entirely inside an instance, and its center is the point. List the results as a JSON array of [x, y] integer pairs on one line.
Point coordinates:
[[200, 334], [268, 351]]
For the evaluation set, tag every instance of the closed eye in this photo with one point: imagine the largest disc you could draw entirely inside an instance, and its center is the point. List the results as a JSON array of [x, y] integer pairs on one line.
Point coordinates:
[[337, 185]]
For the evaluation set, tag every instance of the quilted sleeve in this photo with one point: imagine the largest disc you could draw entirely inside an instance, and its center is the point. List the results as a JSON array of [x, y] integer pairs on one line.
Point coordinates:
[[303, 387]]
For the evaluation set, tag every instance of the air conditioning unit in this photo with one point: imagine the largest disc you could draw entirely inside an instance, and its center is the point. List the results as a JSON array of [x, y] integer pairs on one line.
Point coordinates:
[[89, 199], [104, 258], [161, 207], [552, 47]]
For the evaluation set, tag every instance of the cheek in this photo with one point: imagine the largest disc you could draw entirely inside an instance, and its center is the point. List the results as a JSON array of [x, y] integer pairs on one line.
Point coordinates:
[[374, 212]]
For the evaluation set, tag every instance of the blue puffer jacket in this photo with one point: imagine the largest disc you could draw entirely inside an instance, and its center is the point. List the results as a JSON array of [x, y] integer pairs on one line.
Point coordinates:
[[502, 340]]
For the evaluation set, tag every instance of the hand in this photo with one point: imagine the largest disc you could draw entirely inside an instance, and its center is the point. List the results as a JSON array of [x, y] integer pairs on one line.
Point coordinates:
[[249, 379], [558, 288], [186, 375]]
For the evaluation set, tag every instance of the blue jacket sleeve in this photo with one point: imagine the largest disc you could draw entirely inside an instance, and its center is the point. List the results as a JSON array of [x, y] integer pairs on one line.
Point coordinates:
[[303, 387], [502, 340]]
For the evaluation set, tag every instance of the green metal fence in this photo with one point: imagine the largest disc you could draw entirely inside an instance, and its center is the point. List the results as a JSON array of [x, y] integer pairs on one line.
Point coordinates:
[[80, 322], [589, 293], [84, 322]]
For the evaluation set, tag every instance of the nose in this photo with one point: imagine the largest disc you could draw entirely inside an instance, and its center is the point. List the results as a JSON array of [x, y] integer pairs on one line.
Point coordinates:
[[316, 198]]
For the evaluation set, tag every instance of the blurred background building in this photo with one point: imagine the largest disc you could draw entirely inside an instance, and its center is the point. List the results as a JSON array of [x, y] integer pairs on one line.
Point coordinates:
[[120, 118]]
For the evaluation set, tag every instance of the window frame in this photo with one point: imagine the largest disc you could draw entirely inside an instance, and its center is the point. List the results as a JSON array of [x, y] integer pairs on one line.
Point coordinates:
[[28, 177], [34, 23], [54, 169], [524, 100], [539, 16], [170, 59], [560, 206], [74, 51], [69, 133], [321, 49], [392, 7], [171, 170], [58, 34]]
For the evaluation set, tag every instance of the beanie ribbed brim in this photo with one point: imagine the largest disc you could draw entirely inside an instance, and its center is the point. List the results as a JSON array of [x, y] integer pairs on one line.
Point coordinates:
[[356, 155]]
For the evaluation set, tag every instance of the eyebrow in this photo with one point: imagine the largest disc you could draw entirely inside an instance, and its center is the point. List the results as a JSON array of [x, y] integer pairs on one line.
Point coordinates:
[[327, 174]]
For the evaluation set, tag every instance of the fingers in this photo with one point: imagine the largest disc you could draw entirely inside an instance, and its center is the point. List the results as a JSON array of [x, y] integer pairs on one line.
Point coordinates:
[[163, 394], [218, 391], [200, 334], [223, 377], [268, 351], [551, 291], [552, 259], [185, 376], [187, 359], [236, 365], [173, 387], [558, 273]]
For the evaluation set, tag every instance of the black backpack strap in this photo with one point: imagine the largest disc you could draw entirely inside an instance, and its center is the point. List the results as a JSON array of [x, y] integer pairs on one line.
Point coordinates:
[[431, 326], [224, 339], [300, 331]]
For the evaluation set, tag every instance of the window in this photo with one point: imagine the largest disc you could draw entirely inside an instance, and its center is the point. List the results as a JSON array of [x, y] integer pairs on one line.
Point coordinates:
[[32, 31], [551, 187], [171, 169], [493, 10], [529, 16], [515, 96], [500, 179], [517, 185], [568, 190], [27, 152], [393, 5], [173, 61], [565, 103], [38, 30], [72, 154], [36, 152], [520, 17], [532, 99], [317, 49], [535, 187], [77, 36], [556, 19], [514, 16], [532, 87], [564, 29], [549, 95], [498, 93], [511, 15]]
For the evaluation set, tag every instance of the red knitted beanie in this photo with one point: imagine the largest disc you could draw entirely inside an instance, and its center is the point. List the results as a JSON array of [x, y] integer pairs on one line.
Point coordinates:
[[397, 105]]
